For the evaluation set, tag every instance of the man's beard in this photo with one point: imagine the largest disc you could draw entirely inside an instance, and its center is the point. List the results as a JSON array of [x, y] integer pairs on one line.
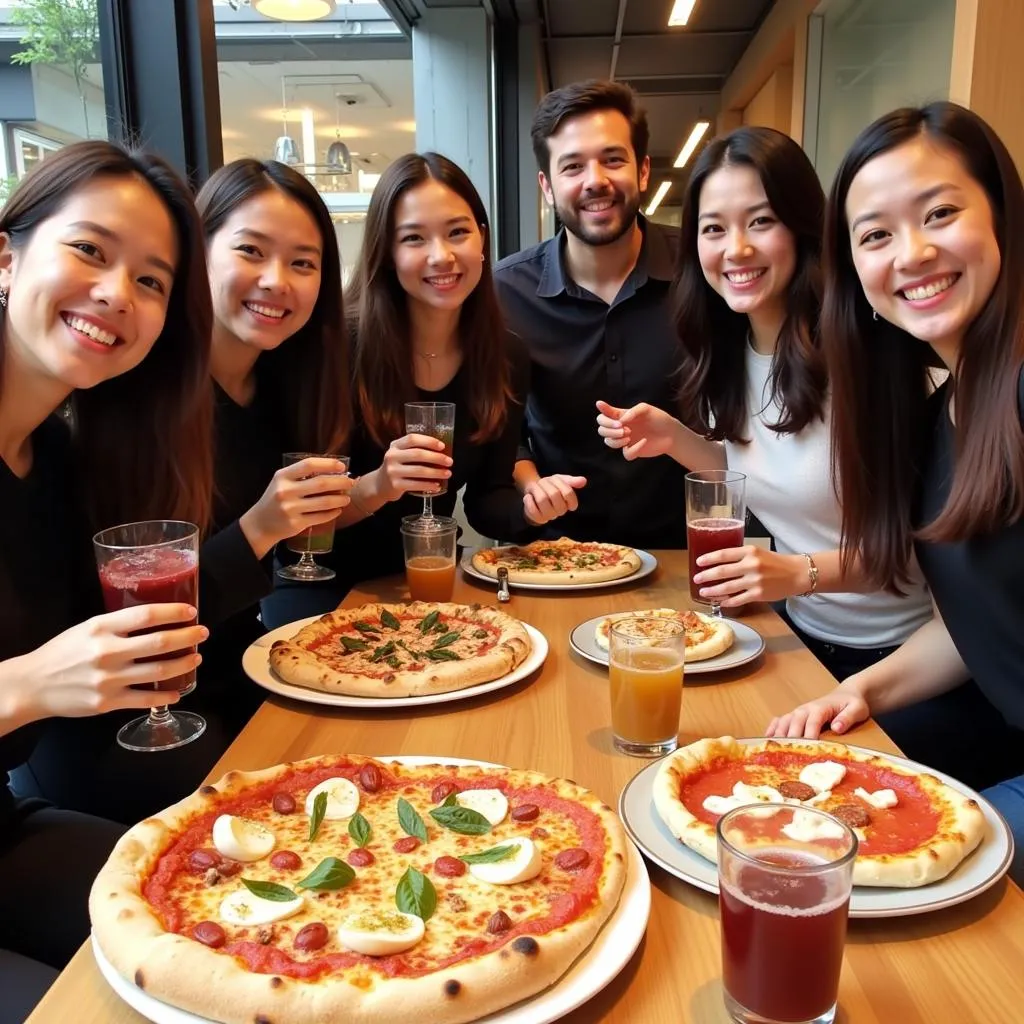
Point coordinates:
[[602, 235]]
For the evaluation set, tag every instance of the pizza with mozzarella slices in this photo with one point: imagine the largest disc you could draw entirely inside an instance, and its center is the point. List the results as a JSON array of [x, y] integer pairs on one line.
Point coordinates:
[[402, 650], [912, 828], [706, 636], [561, 562], [351, 889]]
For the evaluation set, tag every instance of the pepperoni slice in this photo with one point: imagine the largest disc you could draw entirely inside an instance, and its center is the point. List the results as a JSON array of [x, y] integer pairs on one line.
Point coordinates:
[[203, 860], [406, 844], [442, 791], [360, 858], [285, 860], [573, 860], [312, 936], [209, 933], [449, 867], [283, 803], [793, 790], [852, 814], [525, 812]]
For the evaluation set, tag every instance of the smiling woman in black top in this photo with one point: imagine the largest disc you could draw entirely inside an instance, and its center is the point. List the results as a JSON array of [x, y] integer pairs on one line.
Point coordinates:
[[104, 311], [426, 327], [925, 263]]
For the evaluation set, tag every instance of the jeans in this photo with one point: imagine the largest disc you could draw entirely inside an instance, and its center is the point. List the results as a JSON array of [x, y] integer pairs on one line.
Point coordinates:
[[1008, 799]]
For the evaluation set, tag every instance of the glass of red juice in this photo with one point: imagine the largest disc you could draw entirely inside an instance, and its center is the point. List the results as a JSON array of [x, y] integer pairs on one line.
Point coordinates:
[[154, 562], [784, 879], [716, 513]]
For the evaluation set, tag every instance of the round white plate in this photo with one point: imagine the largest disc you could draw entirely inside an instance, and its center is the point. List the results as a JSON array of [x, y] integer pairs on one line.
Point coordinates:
[[603, 959], [747, 646], [255, 662], [648, 563], [982, 869]]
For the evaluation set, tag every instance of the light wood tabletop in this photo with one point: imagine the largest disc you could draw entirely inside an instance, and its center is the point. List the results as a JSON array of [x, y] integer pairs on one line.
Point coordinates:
[[962, 964]]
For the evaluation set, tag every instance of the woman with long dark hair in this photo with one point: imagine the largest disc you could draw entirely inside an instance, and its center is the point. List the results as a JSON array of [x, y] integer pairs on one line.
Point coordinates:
[[426, 326], [104, 419], [755, 397], [925, 265]]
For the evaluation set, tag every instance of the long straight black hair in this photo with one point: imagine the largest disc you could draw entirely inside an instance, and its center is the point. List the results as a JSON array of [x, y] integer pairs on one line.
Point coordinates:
[[713, 378], [310, 371], [879, 372]]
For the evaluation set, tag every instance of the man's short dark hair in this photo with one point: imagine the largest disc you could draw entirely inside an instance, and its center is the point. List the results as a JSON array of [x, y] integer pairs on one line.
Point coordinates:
[[582, 98]]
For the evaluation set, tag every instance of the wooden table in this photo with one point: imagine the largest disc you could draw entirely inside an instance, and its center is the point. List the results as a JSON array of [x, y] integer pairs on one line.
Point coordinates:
[[964, 965]]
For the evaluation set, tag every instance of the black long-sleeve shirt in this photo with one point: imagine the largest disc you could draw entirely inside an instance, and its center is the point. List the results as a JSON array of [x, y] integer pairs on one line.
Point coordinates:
[[493, 505], [582, 349], [48, 577]]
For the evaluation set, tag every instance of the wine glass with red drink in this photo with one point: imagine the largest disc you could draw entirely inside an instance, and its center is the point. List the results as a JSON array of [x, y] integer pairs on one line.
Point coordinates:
[[155, 562], [716, 512]]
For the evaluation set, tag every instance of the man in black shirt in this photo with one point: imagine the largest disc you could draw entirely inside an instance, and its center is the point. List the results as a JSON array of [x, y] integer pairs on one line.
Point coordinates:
[[592, 307]]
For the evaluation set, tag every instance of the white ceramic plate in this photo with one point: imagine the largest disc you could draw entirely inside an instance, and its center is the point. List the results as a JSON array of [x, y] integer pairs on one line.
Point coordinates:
[[747, 646], [648, 563], [603, 960], [982, 869], [255, 662]]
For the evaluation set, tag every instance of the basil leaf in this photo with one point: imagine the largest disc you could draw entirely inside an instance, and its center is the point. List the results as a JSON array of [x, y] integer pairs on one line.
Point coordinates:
[[428, 621], [491, 856], [450, 801], [383, 651], [330, 873], [353, 643], [445, 641], [365, 627], [480, 634], [411, 822], [461, 820], [269, 890], [416, 894], [441, 655], [389, 620], [359, 829], [393, 661], [441, 627], [317, 817]]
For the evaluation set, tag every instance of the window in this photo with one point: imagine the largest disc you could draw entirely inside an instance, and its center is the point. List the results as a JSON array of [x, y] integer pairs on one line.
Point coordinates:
[[333, 98], [51, 81]]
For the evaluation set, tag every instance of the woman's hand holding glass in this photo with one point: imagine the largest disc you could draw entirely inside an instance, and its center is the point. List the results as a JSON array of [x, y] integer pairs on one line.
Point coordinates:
[[549, 497], [93, 667], [307, 493], [413, 462], [750, 573], [642, 431], [839, 711]]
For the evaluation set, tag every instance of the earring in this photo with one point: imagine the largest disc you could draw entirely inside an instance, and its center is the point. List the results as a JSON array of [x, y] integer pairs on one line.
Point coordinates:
[[483, 257], [874, 314], [3, 298]]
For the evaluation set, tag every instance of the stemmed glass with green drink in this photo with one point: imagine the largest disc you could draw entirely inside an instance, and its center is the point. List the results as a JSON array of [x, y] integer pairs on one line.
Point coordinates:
[[313, 540], [437, 420]]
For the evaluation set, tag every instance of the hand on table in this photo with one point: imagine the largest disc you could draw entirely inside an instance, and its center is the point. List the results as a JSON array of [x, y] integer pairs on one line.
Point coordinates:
[[737, 576], [839, 711], [90, 668], [552, 496], [641, 431]]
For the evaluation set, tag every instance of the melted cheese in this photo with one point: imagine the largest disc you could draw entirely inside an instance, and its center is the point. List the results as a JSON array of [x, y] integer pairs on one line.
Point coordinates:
[[822, 775], [881, 798]]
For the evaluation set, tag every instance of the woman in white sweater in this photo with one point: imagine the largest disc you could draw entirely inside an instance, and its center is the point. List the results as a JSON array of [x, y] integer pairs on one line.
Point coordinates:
[[754, 397]]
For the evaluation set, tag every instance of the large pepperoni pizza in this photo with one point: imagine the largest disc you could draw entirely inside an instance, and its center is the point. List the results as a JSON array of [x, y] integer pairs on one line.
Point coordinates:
[[350, 889], [912, 828]]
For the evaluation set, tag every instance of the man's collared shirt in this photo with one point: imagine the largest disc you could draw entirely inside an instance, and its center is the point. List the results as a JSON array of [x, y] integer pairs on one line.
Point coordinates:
[[582, 349]]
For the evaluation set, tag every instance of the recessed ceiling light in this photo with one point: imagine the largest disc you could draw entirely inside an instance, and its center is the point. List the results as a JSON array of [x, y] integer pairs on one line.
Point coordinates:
[[681, 11], [691, 143], [294, 10]]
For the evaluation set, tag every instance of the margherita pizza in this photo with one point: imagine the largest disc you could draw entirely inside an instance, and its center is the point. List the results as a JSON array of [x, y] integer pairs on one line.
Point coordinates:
[[706, 637], [561, 562], [402, 650], [913, 828], [342, 888]]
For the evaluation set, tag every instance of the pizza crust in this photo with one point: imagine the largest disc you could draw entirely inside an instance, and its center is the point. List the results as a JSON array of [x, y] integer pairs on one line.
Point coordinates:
[[628, 563], [718, 642], [295, 663], [961, 827], [189, 975]]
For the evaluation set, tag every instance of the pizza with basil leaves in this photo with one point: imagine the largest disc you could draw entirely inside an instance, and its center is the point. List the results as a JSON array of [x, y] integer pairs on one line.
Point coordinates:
[[402, 650], [561, 562], [343, 888]]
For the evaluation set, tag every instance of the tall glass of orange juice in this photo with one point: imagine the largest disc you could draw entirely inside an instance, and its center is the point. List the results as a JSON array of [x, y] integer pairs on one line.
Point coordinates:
[[645, 670], [429, 543]]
